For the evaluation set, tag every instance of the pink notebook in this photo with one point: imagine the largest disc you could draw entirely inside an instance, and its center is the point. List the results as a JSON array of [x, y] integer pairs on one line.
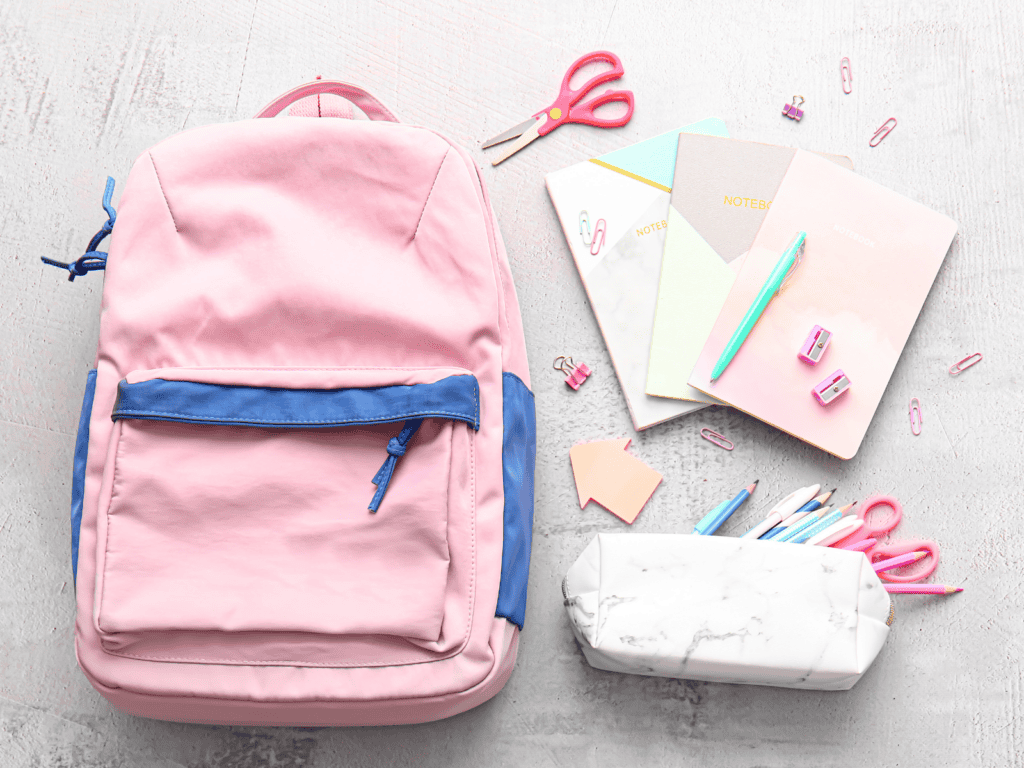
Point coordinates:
[[870, 259]]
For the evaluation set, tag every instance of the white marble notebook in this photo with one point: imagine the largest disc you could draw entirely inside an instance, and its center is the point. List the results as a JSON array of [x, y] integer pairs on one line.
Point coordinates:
[[629, 190]]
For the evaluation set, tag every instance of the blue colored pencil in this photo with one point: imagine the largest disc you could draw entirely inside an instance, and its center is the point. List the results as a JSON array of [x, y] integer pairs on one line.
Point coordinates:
[[795, 530], [826, 523], [713, 520], [832, 517]]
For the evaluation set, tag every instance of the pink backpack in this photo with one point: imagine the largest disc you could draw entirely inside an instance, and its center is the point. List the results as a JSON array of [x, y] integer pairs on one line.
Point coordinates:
[[303, 489]]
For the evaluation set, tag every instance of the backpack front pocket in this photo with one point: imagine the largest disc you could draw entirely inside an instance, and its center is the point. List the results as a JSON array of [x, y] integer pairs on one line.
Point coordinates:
[[249, 508]]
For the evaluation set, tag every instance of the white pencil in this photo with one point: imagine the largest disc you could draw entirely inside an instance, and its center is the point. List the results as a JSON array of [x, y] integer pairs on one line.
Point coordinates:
[[783, 510], [838, 531]]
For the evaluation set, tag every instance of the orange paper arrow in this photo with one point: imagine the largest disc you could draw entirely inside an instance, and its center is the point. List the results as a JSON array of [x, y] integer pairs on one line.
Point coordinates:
[[605, 473]]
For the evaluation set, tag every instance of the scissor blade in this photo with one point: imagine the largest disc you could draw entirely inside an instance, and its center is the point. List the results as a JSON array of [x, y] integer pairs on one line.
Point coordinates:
[[511, 133], [529, 135]]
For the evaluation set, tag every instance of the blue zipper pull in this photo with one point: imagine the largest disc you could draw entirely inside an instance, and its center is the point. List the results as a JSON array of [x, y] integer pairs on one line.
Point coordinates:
[[92, 260], [396, 449]]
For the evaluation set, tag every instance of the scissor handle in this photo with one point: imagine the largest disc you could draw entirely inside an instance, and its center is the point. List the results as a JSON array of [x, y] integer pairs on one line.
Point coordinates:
[[558, 112], [920, 570], [874, 531], [584, 113]]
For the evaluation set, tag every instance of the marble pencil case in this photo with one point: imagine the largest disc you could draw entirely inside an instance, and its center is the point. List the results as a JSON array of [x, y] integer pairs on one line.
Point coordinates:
[[727, 610]]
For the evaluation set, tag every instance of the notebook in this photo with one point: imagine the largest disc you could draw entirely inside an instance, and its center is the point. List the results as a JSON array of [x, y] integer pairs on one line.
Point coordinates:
[[629, 189], [722, 190], [870, 259]]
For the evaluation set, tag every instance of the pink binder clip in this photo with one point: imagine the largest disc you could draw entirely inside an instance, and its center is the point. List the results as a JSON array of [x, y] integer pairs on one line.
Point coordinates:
[[793, 111], [814, 345], [831, 388], [575, 373]]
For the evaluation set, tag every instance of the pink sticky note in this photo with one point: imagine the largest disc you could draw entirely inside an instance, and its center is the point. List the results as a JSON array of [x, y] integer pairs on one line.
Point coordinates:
[[605, 473]]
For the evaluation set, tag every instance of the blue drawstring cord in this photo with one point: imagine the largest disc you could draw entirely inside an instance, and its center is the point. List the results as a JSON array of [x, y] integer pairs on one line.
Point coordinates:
[[92, 260], [396, 449]]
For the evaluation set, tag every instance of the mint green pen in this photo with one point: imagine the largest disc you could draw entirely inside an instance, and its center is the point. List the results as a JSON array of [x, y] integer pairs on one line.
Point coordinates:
[[768, 290]]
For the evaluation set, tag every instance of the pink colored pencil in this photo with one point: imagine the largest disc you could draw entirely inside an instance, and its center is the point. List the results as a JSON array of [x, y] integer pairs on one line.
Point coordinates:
[[861, 546], [896, 562], [921, 589]]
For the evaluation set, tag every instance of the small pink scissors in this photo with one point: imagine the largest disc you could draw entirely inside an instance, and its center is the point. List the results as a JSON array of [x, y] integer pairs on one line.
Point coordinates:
[[566, 109], [879, 551]]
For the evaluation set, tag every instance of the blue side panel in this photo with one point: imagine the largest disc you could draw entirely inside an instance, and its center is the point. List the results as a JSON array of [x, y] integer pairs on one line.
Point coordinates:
[[454, 397], [519, 458], [78, 477]]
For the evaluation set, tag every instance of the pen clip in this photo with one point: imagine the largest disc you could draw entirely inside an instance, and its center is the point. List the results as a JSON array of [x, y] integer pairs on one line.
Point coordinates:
[[796, 263]]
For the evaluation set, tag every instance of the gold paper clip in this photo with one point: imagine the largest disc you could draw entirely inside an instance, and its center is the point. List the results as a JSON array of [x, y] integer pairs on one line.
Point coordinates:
[[846, 73], [720, 440], [916, 419], [963, 365], [882, 132]]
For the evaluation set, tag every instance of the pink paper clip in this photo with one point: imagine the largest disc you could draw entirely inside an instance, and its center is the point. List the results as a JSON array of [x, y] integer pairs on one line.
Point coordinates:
[[963, 365], [846, 74], [831, 388], [882, 132], [575, 373], [814, 345], [916, 419], [720, 440], [793, 111], [599, 228]]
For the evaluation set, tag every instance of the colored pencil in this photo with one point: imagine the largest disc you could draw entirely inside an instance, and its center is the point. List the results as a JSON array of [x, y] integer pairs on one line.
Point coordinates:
[[861, 546], [838, 531], [712, 521], [826, 522], [896, 562], [794, 531], [921, 589], [799, 515], [783, 510], [781, 528]]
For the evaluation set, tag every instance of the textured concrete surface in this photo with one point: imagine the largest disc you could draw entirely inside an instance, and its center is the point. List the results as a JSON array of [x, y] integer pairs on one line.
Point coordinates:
[[86, 85]]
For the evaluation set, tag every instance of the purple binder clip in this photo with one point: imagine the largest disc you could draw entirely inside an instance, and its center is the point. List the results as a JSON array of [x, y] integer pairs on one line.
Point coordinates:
[[793, 111]]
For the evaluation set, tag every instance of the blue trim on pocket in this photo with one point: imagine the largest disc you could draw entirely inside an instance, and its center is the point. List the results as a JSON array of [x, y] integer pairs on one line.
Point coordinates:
[[78, 475], [454, 397], [519, 458]]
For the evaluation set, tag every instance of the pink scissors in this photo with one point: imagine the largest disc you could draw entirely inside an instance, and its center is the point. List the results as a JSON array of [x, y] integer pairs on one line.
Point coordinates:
[[879, 551], [566, 109]]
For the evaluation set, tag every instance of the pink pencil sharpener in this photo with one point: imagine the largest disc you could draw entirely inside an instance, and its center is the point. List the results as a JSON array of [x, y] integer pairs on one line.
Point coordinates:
[[813, 348], [831, 388]]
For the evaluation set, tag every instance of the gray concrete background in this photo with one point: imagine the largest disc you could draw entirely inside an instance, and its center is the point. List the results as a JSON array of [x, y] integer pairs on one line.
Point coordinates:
[[86, 85]]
